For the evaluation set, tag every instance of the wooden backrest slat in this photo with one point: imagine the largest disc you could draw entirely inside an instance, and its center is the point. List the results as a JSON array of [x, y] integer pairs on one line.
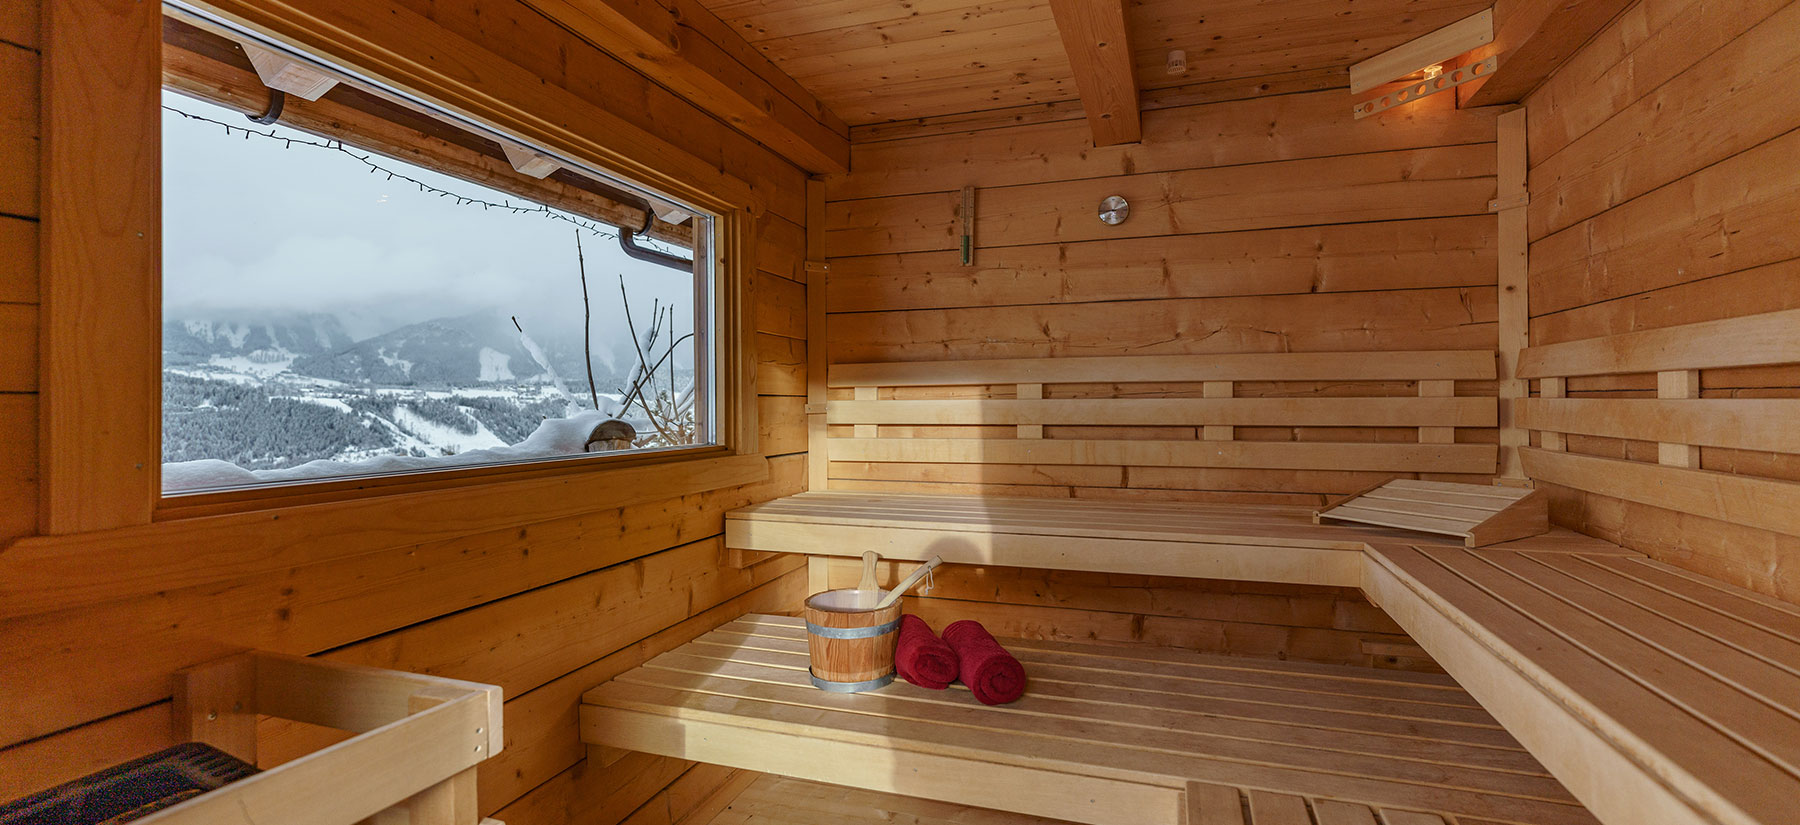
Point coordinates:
[[1150, 412], [1749, 341], [1467, 365]]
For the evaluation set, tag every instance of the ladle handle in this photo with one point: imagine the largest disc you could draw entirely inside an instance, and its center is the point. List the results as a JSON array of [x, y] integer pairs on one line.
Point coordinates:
[[907, 584]]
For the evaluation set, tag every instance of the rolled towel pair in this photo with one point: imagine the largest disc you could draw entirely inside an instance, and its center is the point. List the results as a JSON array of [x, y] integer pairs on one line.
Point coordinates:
[[967, 652]]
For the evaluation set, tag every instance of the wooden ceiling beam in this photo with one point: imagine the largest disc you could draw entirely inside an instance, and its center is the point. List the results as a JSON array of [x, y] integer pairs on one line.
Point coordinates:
[[1533, 38], [687, 48], [1099, 49]]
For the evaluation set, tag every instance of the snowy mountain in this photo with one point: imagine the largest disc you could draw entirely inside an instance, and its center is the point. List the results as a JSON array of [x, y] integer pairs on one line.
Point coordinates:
[[255, 342], [471, 349]]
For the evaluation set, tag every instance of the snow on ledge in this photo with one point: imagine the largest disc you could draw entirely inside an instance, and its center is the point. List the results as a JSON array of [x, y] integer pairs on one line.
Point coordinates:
[[555, 437]]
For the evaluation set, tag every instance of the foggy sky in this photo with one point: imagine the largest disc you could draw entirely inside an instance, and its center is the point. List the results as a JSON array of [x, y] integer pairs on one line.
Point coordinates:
[[249, 226]]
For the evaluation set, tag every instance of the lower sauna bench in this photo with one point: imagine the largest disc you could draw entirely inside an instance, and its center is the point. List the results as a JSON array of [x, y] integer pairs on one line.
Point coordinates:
[[1106, 735], [779, 799]]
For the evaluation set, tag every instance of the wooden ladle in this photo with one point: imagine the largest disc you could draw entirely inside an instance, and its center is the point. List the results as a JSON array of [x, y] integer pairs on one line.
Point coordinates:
[[869, 589]]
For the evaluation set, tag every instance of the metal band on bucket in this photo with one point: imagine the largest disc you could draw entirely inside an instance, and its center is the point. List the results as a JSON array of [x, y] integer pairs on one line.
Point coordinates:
[[849, 687], [852, 632]]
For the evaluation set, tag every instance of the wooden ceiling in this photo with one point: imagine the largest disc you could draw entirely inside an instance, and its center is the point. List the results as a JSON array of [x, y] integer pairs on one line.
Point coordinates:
[[874, 61]]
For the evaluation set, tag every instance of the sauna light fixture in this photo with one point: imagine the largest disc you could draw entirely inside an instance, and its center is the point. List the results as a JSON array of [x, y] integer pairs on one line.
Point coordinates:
[[1114, 210], [1177, 62]]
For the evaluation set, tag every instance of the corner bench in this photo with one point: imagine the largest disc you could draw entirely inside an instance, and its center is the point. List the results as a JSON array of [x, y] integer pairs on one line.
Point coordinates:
[[1107, 735], [1654, 695]]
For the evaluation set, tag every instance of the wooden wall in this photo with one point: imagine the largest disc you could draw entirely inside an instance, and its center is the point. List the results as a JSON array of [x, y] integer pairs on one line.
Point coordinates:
[[1272, 224], [1262, 224], [546, 609], [1665, 180]]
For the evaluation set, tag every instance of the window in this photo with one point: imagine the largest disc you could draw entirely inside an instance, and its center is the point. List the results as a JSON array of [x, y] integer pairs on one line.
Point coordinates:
[[362, 286]]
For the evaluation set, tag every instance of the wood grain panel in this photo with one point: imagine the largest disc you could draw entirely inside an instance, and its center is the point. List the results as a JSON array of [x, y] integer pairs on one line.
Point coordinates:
[[1258, 130], [780, 365], [779, 306], [19, 115], [18, 348], [18, 260], [18, 465], [1414, 319], [1659, 39], [1345, 258], [1769, 288], [322, 606], [19, 24], [1720, 107], [1727, 217], [1422, 183]]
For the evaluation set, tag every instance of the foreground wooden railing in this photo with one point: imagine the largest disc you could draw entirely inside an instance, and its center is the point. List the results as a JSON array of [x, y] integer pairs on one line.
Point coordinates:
[[1678, 419], [413, 760]]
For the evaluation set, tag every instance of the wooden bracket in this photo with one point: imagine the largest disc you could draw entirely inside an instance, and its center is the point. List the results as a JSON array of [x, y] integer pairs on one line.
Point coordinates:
[[283, 73], [816, 409], [1427, 87], [1514, 202], [528, 162]]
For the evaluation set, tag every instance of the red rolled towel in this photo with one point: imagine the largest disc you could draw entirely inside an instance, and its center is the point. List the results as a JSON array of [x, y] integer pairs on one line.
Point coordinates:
[[991, 673], [921, 657]]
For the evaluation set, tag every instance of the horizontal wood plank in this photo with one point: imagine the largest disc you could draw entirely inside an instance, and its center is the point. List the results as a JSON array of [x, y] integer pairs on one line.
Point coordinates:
[[1251, 366], [47, 573], [1766, 424], [1769, 338], [1410, 184], [1423, 254], [1754, 502], [1438, 458], [1359, 412]]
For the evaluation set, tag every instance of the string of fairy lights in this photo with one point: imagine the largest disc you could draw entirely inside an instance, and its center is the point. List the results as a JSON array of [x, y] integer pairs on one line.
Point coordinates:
[[289, 141]]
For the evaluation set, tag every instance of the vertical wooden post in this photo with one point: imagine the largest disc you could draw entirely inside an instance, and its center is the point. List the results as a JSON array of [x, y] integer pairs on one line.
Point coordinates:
[[818, 574], [1437, 388], [450, 802], [215, 703], [1553, 388], [867, 430], [1514, 311], [1217, 432], [817, 276], [1678, 384], [1031, 392], [101, 299]]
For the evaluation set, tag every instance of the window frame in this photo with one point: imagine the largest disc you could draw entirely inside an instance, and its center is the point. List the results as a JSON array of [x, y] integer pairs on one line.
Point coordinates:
[[100, 422]]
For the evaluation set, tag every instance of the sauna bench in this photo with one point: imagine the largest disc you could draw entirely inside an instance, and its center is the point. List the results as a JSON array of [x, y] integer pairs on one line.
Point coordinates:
[[1262, 543], [1106, 735], [1658, 695]]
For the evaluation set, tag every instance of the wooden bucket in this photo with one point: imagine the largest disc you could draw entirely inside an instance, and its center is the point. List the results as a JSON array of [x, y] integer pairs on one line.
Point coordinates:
[[852, 649]]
